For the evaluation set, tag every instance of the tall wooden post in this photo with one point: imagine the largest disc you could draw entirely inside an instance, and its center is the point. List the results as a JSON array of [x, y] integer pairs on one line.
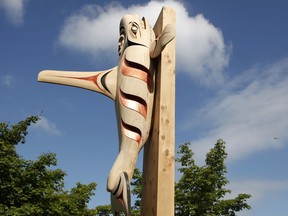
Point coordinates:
[[158, 165]]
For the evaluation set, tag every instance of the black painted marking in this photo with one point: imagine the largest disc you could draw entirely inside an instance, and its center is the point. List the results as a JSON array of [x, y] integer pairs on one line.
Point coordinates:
[[117, 187], [130, 43], [137, 66], [134, 98], [103, 81], [131, 128]]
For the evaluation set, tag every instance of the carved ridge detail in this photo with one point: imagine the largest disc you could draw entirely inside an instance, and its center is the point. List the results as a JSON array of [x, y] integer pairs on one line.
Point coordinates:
[[137, 71], [90, 78], [133, 102], [103, 81], [131, 132]]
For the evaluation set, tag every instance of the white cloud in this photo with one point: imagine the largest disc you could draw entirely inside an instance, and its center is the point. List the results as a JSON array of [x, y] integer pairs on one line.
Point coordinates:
[[259, 189], [46, 126], [248, 114], [14, 10], [7, 80], [201, 51], [92, 30]]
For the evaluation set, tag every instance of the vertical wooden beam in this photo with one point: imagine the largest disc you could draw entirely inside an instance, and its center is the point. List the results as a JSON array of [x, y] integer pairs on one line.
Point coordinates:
[[158, 165]]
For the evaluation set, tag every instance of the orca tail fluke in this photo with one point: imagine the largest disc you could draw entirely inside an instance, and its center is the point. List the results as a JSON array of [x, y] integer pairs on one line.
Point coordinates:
[[120, 198]]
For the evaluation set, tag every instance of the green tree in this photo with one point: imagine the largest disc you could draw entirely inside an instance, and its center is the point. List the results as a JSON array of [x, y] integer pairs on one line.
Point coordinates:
[[104, 210], [201, 189], [29, 187], [136, 190]]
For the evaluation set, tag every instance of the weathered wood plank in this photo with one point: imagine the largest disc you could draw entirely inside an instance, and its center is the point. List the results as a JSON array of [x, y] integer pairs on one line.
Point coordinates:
[[158, 165]]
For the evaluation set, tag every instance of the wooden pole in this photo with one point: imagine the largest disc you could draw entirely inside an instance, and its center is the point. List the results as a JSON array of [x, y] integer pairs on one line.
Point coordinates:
[[158, 165]]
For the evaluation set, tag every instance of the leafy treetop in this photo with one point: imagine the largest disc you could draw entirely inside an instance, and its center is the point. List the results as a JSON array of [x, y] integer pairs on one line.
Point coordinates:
[[30, 187]]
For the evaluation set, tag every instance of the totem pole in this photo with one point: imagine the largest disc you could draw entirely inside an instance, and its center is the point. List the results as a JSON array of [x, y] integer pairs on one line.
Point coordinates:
[[131, 84]]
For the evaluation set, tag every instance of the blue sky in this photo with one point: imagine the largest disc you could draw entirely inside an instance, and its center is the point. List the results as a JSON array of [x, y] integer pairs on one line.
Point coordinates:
[[231, 83]]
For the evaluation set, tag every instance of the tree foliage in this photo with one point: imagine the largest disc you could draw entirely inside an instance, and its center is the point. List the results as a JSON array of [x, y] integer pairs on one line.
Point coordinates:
[[104, 210], [136, 184], [30, 187], [201, 189]]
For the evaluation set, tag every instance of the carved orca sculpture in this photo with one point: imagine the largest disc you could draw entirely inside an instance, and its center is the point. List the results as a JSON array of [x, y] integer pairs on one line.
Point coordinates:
[[131, 85]]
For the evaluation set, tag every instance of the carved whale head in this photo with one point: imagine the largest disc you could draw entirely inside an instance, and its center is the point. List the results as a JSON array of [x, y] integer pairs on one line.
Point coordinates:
[[134, 31]]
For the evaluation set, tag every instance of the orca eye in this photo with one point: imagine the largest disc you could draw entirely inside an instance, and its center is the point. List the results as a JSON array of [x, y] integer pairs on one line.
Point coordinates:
[[134, 28]]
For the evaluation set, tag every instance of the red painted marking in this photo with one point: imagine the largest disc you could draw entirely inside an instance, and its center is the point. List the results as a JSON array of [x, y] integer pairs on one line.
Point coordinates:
[[91, 79], [133, 102], [131, 132], [137, 71], [133, 72]]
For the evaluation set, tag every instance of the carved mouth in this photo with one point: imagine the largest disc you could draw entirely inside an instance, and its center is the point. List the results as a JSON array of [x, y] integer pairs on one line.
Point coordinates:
[[121, 44], [130, 43]]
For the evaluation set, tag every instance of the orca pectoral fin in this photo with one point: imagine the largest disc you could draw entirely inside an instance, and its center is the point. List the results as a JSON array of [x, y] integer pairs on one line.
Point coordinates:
[[103, 82]]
